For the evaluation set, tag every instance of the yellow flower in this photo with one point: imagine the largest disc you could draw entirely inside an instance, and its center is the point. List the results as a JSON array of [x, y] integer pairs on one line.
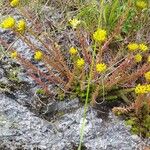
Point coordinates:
[[14, 3], [100, 35], [143, 47], [141, 4], [21, 26], [74, 23], [14, 55], [147, 76], [141, 89], [101, 67], [73, 51], [80, 63], [8, 23], [138, 57], [38, 55], [133, 46], [148, 88], [148, 59]]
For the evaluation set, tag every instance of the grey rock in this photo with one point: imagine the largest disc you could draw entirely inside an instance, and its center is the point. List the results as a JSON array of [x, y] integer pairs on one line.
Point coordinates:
[[19, 126], [1, 73], [4, 80]]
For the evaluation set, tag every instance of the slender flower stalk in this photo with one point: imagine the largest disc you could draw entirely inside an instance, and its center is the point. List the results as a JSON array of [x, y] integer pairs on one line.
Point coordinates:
[[87, 98], [88, 86]]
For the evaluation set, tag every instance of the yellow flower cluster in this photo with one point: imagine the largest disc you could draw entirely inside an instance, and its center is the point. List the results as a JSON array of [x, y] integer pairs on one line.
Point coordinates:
[[73, 51], [147, 76], [138, 57], [135, 46], [143, 47], [148, 59], [101, 67], [14, 3], [80, 63], [141, 4], [142, 89], [74, 23], [14, 55], [100, 35], [8, 23], [38, 55], [21, 26]]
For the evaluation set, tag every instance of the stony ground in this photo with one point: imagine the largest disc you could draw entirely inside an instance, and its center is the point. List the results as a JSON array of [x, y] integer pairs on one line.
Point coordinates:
[[20, 128]]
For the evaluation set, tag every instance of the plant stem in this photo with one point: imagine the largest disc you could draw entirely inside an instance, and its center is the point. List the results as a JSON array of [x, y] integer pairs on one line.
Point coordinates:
[[89, 83], [87, 98]]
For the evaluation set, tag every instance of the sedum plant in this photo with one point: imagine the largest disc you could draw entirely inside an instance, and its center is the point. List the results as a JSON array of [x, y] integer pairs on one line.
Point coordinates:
[[138, 112], [107, 74], [106, 64]]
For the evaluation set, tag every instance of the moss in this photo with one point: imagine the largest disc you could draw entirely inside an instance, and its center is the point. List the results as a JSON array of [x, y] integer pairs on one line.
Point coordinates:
[[140, 123], [60, 96], [40, 91], [12, 74], [130, 122], [134, 130]]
